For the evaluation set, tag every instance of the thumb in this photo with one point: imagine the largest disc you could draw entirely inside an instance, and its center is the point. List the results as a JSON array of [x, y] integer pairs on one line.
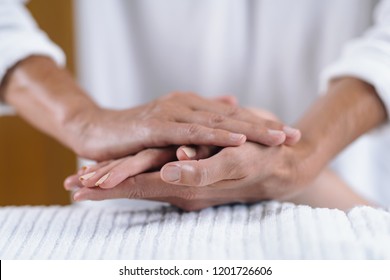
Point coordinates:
[[202, 172], [196, 152]]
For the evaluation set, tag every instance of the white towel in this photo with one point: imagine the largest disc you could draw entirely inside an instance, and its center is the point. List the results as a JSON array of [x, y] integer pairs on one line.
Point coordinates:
[[262, 231]]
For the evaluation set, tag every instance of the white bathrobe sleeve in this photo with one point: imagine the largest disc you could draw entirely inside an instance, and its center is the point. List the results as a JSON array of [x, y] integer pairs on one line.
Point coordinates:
[[20, 37], [367, 57]]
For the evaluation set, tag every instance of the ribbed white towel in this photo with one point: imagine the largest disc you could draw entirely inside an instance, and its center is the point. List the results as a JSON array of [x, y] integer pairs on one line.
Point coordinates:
[[262, 231]]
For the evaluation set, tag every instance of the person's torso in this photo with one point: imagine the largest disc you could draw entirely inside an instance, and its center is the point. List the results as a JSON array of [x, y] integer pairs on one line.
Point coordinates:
[[269, 53]]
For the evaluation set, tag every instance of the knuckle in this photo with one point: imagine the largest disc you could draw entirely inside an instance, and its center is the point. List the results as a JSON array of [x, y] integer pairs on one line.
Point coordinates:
[[146, 131], [155, 108], [133, 190], [193, 130], [203, 177], [169, 111], [272, 124], [135, 193], [199, 175], [215, 119], [271, 116], [174, 95], [232, 111], [159, 109], [189, 194], [263, 114]]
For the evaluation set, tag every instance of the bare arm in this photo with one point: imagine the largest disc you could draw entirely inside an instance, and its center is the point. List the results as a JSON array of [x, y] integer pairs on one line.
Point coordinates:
[[47, 97], [349, 109]]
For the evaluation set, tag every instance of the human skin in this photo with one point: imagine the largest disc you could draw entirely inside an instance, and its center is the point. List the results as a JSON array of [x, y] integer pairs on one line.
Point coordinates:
[[109, 174], [327, 190], [253, 172], [50, 99]]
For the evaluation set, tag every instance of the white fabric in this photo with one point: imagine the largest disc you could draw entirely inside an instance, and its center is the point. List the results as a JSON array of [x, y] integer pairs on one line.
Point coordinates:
[[368, 57], [268, 53], [261, 231], [20, 38]]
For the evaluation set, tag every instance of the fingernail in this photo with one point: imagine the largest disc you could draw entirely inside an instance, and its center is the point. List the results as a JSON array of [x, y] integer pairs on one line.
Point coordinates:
[[87, 176], [171, 173], [101, 180], [190, 152], [237, 137], [290, 131], [275, 132], [84, 168]]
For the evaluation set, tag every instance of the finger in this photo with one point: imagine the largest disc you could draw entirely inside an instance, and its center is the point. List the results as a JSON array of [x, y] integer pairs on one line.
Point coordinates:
[[131, 166], [170, 133], [150, 186], [199, 103], [262, 131], [262, 113], [227, 99], [72, 182], [91, 179], [222, 166], [240, 114], [146, 185], [216, 115], [90, 168], [292, 135], [195, 152], [222, 105]]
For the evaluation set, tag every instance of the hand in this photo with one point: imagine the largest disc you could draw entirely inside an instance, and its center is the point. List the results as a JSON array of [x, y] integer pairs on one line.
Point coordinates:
[[252, 172], [175, 119], [108, 174], [50, 99], [248, 173], [111, 173]]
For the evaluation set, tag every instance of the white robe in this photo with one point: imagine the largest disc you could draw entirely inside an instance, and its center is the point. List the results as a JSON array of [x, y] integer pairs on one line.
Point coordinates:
[[273, 54]]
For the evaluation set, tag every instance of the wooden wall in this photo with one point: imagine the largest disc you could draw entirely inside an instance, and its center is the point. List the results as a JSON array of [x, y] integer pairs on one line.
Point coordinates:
[[33, 166]]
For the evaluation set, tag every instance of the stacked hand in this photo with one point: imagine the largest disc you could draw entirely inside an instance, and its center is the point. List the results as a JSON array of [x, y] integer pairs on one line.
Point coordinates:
[[204, 175], [230, 153], [175, 119]]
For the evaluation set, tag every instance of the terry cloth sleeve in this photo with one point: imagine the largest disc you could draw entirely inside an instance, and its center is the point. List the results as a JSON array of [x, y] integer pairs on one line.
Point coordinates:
[[20, 37], [367, 57]]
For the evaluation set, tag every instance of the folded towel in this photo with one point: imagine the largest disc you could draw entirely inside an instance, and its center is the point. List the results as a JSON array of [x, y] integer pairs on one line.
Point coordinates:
[[267, 230]]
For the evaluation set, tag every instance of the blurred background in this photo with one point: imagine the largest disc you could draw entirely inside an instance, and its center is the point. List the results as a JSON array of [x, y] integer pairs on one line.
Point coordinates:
[[33, 166]]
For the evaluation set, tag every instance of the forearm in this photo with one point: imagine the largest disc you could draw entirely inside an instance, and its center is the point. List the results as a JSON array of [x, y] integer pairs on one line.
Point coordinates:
[[46, 96], [350, 109]]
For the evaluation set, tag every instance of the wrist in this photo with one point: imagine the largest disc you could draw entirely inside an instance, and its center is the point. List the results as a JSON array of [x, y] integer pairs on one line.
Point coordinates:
[[350, 108], [303, 164], [47, 97]]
